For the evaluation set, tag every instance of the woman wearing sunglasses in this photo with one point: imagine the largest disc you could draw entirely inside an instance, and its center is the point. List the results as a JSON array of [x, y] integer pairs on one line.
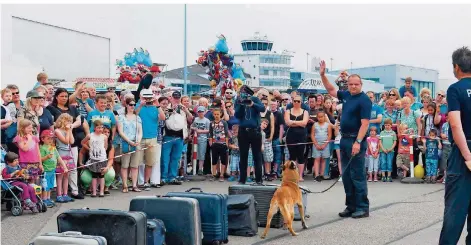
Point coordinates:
[[296, 119], [130, 130]]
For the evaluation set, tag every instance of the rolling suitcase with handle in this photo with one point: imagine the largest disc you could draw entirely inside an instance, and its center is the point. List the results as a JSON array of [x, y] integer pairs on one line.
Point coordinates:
[[213, 211], [69, 238], [263, 195], [116, 226], [181, 217], [155, 232]]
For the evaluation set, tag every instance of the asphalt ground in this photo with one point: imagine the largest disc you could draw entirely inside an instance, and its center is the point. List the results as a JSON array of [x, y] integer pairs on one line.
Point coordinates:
[[399, 214]]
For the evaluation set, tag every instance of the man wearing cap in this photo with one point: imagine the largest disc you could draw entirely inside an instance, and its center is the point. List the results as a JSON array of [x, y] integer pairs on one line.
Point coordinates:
[[30, 110], [146, 80], [247, 110], [458, 175], [150, 116], [172, 147], [354, 125]]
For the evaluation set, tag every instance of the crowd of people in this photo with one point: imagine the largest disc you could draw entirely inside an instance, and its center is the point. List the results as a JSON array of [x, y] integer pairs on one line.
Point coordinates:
[[87, 143]]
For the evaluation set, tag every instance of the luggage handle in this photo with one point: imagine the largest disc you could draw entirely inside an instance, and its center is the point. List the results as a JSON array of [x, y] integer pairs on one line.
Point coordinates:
[[194, 188], [72, 233]]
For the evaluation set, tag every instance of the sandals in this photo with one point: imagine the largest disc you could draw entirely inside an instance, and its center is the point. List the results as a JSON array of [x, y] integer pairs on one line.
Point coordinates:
[[135, 189], [93, 195], [125, 189]]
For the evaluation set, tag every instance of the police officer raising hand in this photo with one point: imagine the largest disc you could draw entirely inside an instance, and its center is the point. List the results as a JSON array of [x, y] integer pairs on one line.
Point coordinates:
[[458, 177], [356, 112]]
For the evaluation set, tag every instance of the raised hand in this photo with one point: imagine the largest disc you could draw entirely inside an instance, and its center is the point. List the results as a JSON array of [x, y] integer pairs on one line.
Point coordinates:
[[322, 68]]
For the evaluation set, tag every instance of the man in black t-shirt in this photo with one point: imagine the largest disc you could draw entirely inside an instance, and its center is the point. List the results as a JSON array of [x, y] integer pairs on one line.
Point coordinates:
[[277, 136]]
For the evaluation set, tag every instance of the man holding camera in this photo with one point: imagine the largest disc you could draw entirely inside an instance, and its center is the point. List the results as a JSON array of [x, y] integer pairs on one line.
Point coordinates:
[[247, 110], [150, 116]]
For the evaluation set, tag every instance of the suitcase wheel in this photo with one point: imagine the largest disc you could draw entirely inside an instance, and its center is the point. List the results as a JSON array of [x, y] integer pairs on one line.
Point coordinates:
[[226, 241]]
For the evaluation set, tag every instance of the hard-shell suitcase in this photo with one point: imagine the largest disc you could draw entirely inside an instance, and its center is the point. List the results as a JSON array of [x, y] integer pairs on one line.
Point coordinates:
[[297, 216], [155, 232], [213, 211], [181, 217], [263, 195], [242, 212], [118, 227], [69, 238]]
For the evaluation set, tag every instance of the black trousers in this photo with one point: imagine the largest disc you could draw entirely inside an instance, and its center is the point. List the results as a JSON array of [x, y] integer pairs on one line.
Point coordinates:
[[250, 138]]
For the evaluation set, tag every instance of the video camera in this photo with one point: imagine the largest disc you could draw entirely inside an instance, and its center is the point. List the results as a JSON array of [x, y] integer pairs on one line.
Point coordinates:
[[245, 93]]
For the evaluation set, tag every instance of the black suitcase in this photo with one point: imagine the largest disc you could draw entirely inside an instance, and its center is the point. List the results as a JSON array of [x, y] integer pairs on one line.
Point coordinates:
[[181, 217], [213, 211], [242, 211], [118, 227], [263, 195]]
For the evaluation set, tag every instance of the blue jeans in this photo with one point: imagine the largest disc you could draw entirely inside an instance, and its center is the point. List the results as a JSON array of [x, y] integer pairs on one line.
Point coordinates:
[[431, 166], [386, 161], [457, 199], [172, 148], [354, 176], [277, 154]]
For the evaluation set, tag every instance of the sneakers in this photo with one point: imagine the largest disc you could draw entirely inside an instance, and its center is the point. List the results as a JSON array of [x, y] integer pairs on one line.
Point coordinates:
[[146, 187], [232, 178], [318, 178], [375, 179], [200, 172], [389, 179], [249, 180], [383, 179], [370, 179], [175, 182], [60, 199], [67, 198], [340, 179], [48, 203]]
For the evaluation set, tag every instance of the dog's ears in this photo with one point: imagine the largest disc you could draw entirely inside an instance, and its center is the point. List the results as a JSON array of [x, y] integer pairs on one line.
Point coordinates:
[[292, 165]]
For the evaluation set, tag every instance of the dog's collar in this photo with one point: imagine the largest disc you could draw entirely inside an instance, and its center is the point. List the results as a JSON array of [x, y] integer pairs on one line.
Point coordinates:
[[296, 182]]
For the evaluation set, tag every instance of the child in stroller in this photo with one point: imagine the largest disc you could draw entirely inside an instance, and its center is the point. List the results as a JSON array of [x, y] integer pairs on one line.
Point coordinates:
[[13, 188]]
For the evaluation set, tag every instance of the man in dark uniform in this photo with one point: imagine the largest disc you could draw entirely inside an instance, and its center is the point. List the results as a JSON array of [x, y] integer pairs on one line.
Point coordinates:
[[247, 110], [458, 173], [356, 114]]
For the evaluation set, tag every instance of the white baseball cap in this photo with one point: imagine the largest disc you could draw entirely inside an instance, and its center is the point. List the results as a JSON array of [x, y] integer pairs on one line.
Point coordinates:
[[147, 93]]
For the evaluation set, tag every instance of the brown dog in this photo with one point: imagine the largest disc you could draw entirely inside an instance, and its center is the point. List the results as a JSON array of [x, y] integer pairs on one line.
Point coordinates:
[[285, 198]]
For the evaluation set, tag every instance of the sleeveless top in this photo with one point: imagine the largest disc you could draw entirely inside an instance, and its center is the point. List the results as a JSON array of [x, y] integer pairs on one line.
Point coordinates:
[[62, 148], [97, 147], [321, 132], [296, 134]]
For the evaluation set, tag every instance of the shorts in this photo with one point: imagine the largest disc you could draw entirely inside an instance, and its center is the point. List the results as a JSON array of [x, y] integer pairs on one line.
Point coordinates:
[[403, 159], [50, 177], [325, 153], [32, 170], [131, 160], [267, 151], [234, 162], [201, 151], [219, 153], [97, 175], [149, 155], [336, 146]]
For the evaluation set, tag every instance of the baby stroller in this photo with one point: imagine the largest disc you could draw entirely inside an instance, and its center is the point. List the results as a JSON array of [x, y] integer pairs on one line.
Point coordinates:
[[11, 196]]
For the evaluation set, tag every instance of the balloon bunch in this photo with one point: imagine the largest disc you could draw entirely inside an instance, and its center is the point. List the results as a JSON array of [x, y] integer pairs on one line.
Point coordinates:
[[222, 72], [133, 64]]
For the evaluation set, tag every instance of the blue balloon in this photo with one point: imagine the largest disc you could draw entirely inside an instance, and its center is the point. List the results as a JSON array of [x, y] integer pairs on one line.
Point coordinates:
[[238, 73], [221, 45], [128, 59]]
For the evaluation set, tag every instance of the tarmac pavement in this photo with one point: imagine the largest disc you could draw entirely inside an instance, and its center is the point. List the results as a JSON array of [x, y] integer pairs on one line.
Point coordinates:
[[399, 214]]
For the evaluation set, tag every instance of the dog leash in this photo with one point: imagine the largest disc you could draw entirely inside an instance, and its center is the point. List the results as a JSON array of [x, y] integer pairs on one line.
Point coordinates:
[[330, 187]]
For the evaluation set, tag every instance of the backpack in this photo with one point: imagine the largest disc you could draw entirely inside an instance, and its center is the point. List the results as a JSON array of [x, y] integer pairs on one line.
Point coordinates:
[[175, 121]]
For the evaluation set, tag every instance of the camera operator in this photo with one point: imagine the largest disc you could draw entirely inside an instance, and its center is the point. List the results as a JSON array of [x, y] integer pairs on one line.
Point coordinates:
[[247, 110]]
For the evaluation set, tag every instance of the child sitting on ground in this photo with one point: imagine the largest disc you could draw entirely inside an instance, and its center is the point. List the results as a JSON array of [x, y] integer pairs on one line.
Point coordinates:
[[235, 153], [431, 146], [13, 170], [50, 157], [372, 155]]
